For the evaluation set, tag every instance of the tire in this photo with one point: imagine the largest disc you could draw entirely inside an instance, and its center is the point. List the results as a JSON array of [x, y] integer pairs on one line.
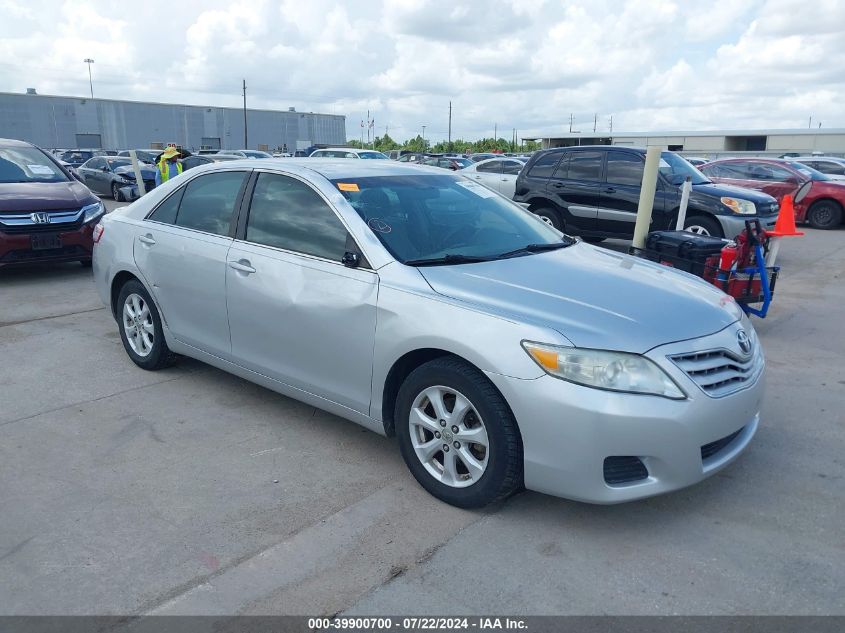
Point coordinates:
[[477, 474], [115, 192], [549, 216], [147, 349], [825, 215], [703, 225]]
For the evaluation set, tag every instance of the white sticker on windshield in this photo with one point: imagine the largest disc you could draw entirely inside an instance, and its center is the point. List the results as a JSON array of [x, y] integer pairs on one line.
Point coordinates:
[[41, 170], [480, 190]]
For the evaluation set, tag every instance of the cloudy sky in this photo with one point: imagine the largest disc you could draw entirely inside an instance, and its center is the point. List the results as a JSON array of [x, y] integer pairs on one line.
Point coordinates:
[[525, 64]]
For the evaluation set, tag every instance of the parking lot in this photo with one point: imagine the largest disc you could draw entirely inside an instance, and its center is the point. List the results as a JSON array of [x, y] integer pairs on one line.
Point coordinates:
[[192, 491]]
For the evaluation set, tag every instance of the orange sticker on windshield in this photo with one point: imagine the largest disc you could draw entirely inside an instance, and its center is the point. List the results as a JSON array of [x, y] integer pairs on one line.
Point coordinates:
[[347, 186]]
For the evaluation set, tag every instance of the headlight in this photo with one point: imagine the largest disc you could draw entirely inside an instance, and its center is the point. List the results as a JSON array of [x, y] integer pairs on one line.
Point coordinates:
[[92, 211], [614, 371], [737, 205]]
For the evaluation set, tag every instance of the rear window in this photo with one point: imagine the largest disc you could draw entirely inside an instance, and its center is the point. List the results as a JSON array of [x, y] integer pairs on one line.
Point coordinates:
[[28, 164]]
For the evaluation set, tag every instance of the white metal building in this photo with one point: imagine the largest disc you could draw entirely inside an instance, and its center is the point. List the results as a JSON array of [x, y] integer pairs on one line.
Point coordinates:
[[74, 122], [715, 143]]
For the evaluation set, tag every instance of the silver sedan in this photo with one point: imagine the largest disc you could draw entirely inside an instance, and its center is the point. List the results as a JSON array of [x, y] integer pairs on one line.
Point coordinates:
[[422, 305], [497, 173]]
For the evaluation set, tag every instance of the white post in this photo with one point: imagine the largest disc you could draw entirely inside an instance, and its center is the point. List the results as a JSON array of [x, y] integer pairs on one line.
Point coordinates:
[[774, 247], [649, 184], [139, 180], [682, 210]]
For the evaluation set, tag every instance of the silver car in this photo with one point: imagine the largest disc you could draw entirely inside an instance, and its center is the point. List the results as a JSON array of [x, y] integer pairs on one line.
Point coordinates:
[[497, 173], [420, 304]]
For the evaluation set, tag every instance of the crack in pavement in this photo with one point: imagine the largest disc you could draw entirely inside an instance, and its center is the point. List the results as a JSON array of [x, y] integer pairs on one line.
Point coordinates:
[[45, 318]]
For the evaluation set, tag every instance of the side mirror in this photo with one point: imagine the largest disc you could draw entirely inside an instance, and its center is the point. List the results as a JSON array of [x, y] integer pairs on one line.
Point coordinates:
[[105, 169], [802, 192], [350, 260]]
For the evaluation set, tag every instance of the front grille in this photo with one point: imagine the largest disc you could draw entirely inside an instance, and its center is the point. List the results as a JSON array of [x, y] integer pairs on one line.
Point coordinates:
[[720, 372], [624, 469], [17, 223], [708, 450]]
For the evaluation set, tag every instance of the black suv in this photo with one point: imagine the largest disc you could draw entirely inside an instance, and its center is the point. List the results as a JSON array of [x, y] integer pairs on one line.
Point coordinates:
[[594, 191]]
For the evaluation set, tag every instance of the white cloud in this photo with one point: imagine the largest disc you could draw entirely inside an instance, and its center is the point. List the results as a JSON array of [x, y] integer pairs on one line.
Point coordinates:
[[515, 64]]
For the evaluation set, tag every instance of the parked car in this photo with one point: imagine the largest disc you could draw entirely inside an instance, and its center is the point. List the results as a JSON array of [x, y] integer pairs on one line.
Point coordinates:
[[75, 157], [499, 351], [144, 155], [347, 152], [497, 173], [282, 155], [594, 191], [107, 175], [245, 153], [413, 157], [445, 162], [396, 154], [822, 205], [476, 158], [46, 215], [830, 166]]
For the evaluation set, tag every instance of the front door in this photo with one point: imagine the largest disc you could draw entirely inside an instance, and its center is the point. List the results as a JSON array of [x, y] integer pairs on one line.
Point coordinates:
[[575, 186], [296, 313], [181, 250]]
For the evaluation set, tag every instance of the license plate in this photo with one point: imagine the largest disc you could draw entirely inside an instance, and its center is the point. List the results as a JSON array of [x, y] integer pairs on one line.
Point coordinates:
[[46, 242]]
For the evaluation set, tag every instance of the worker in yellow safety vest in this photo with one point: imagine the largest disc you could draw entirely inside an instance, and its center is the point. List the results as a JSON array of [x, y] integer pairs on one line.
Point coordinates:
[[166, 162]]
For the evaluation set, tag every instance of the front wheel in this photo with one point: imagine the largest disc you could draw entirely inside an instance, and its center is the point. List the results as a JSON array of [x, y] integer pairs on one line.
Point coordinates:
[[824, 214], [457, 434], [701, 225], [549, 216]]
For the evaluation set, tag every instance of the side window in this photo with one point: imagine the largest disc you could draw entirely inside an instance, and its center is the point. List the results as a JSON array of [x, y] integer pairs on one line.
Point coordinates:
[[585, 166], [166, 211], [209, 202], [96, 163], [512, 167], [780, 174], [624, 169], [287, 213], [493, 167], [562, 171], [837, 169], [545, 165]]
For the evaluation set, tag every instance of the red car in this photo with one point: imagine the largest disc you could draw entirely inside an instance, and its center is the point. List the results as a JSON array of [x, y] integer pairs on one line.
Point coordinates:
[[46, 215], [821, 207]]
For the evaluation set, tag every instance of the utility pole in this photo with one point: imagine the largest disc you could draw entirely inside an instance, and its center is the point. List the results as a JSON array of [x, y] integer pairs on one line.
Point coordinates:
[[810, 124], [611, 124], [90, 61], [570, 123], [423, 137], [595, 122], [495, 131], [246, 143], [450, 126]]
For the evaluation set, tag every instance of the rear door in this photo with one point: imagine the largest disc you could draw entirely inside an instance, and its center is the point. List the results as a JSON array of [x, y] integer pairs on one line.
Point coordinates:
[[296, 313], [181, 251], [489, 173], [94, 175], [575, 186], [507, 181]]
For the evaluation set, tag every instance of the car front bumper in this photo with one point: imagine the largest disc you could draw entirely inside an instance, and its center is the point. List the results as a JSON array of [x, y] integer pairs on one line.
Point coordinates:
[[76, 245], [568, 430], [733, 225]]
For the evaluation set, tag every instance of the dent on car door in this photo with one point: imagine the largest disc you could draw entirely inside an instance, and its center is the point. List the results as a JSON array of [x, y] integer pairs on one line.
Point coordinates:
[[181, 251], [296, 313]]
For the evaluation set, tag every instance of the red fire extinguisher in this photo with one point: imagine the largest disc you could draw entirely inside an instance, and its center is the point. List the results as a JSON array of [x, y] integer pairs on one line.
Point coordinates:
[[727, 260]]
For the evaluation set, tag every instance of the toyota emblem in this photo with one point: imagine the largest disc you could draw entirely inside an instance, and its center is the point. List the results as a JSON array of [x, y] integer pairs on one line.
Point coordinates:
[[743, 341], [40, 217]]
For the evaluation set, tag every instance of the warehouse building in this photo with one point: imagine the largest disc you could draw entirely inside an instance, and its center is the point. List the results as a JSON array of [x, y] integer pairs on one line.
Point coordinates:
[[73, 122], [716, 143]]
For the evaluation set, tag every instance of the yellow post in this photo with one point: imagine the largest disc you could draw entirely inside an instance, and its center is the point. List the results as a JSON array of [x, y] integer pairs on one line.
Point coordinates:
[[652, 165]]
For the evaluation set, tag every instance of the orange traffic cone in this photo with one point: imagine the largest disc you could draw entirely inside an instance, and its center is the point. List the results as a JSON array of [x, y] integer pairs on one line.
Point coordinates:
[[785, 225]]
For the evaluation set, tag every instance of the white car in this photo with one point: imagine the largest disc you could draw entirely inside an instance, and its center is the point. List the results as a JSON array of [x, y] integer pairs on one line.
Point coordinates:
[[830, 166], [499, 174], [347, 152]]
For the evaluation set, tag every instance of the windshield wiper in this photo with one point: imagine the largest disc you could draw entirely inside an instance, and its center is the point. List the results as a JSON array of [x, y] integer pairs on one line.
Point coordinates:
[[446, 260], [534, 248]]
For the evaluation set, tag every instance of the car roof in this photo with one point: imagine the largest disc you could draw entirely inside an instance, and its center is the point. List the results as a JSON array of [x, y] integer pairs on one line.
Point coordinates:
[[346, 149], [835, 159], [331, 168], [11, 142]]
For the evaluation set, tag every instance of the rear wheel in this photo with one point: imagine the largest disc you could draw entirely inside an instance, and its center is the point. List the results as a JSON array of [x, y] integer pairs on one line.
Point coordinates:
[[824, 214], [701, 225], [549, 216], [457, 434], [140, 328]]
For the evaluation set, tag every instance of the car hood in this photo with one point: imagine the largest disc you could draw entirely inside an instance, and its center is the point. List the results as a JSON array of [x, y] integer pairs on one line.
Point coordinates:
[[147, 172], [717, 190], [44, 196], [594, 297]]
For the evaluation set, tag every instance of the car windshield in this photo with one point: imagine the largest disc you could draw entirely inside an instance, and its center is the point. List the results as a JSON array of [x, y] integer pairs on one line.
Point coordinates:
[[676, 169], [809, 172], [28, 164], [256, 154], [463, 162], [371, 155], [444, 217]]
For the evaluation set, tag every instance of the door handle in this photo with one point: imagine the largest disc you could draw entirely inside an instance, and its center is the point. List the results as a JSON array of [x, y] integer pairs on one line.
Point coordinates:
[[609, 190], [558, 185], [478, 177], [147, 239], [242, 266]]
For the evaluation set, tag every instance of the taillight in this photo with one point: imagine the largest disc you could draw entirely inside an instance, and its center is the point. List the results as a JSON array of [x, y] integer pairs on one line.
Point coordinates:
[[98, 232]]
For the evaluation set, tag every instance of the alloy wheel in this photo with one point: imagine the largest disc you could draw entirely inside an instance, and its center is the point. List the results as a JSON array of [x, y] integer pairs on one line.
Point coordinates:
[[138, 325], [697, 229], [449, 436]]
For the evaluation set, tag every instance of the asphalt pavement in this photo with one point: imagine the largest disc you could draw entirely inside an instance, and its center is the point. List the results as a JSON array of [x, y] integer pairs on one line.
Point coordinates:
[[192, 491]]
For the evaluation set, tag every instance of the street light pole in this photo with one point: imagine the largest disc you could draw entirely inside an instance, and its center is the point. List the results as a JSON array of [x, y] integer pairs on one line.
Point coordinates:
[[90, 61], [246, 144]]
